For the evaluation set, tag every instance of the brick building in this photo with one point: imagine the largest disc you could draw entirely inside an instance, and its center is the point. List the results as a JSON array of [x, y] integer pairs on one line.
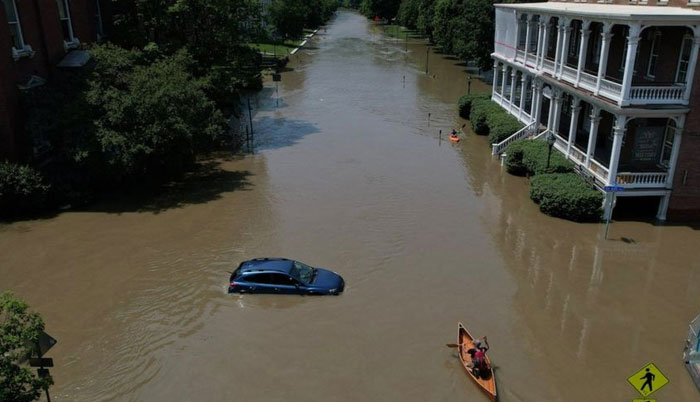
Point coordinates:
[[616, 83], [39, 35]]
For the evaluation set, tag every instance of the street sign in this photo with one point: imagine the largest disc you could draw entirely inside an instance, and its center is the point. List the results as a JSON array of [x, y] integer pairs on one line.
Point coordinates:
[[648, 380], [41, 362], [644, 400], [46, 342], [43, 373], [613, 188]]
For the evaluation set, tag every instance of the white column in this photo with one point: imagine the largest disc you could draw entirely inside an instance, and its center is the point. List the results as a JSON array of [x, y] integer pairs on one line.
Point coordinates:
[[603, 65], [663, 207], [632, 43], [494, 86], [513, 83], [691, 67], [618, 134], [564, 50], [583, 50], [521, 105], [550, 113], [575, 109], [503, 81], [545, 43], [675, 151], [533, 105], [593, 136], [537, 105], [558, 100], [557, 51], [527, 40], [540, 35]]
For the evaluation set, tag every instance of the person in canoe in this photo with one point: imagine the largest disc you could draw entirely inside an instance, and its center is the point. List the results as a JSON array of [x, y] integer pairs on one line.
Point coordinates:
[[478, 354], [454, 136]]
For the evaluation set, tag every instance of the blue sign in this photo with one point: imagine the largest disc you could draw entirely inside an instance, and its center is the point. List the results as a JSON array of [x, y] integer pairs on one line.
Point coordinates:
[[614, 188]]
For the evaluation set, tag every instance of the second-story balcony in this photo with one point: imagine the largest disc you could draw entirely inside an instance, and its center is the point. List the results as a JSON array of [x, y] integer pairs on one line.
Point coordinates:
[[605, 50]]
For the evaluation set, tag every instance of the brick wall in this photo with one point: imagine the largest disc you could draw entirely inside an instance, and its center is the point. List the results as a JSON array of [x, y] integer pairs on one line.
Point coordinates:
[[41, 29], [685, 199]]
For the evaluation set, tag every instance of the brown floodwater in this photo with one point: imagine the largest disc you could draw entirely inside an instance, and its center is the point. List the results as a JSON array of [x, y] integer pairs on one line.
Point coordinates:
[[350, 174]]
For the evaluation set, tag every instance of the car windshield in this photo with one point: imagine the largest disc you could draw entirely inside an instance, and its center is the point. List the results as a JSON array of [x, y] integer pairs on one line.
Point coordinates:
[[302, 272]]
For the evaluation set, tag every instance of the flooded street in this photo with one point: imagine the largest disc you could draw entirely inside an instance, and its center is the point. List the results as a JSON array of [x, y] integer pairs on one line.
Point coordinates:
[[350, 174]]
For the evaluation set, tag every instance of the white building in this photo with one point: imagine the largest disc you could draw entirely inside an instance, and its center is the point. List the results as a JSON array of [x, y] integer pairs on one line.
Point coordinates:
[[614, 83]]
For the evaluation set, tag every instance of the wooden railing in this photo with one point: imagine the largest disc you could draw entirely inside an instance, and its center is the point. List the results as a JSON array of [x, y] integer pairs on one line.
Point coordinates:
[[497, 149], [633, 179]]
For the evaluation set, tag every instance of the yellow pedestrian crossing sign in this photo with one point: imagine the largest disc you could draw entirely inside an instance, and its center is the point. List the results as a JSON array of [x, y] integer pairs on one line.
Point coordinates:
[[647, 380], [644, 400]]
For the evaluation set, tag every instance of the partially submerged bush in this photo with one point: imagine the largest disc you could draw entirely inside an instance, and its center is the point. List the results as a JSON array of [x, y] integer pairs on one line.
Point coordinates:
[[488, 118], [22, 190], [530, 157], [465, 103], [566, 196]]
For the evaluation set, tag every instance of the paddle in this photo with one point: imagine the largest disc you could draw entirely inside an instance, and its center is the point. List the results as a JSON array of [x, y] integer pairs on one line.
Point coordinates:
[[451, 345]]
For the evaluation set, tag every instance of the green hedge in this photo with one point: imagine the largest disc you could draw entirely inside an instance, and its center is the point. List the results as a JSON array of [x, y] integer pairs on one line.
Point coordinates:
[[530, 157], [488, 118], [464, 104], [22, 190], [566, 196]]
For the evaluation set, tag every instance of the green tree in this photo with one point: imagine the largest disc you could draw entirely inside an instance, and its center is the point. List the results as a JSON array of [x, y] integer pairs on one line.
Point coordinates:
[[380, 8], [152, 116], [19, 332], [409, 11], [426, 12], [288, 17]]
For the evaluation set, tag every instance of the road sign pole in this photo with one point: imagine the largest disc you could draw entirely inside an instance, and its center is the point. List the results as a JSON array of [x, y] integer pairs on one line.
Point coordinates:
[[607, 223]]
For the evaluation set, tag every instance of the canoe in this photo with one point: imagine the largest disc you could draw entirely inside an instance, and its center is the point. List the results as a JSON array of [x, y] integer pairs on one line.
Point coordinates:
[[454, 138], [466, 342]]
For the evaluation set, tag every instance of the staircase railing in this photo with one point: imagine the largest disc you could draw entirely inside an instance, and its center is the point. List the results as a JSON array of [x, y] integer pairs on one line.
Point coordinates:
[[497, 149]]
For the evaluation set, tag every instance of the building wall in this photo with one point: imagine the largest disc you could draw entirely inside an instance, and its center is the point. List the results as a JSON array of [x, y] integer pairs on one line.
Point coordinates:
[[41, 29], [685, 199]]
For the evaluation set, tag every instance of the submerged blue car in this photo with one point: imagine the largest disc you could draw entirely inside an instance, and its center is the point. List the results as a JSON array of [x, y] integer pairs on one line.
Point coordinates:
[[280, 275]]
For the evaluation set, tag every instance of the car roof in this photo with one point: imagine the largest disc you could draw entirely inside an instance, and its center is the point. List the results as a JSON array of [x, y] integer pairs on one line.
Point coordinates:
[[282, 265]]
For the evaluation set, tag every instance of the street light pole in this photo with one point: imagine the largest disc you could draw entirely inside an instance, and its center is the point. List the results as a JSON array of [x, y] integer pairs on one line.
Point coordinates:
[[469, 84], [551, 139]]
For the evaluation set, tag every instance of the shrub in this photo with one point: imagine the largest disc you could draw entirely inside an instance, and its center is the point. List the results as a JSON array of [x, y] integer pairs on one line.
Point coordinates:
[[530, 157], [503, 127], [22, 190], [488, 118], [566, 196], [465, 103]]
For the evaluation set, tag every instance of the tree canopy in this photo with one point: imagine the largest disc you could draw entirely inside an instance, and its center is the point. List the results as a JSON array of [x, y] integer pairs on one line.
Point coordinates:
[[19, 333]]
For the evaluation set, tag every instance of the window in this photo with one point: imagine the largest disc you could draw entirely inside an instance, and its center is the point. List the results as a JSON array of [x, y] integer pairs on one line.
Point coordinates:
[[684, 59], [98, 20], [522, 33], [575, 41], [653, 55], [668, 145], [16, 38], [66, 24]]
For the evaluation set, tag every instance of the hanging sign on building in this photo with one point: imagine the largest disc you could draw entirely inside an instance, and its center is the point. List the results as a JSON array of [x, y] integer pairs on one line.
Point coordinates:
[[647, 144]]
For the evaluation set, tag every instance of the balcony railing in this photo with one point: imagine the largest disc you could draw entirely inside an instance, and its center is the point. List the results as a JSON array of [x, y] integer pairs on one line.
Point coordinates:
[[673, 93], [632, 180], [657, 94]]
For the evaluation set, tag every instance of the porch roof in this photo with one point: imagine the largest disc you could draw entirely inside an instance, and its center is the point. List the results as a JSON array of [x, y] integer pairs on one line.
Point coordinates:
[[608, 11]]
